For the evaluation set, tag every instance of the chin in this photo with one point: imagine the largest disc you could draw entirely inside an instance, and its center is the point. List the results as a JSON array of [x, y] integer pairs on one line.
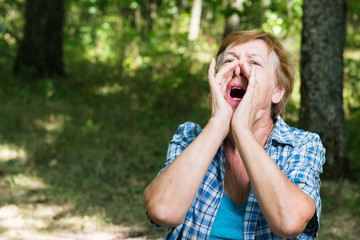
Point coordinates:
[[234, 103]]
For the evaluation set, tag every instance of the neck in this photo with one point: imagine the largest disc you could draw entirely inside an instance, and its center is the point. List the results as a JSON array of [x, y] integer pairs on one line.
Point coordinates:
[[261, 131]]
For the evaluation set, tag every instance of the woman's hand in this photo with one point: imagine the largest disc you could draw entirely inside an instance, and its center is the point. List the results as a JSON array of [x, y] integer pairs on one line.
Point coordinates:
[[248, 110], [218, 84]]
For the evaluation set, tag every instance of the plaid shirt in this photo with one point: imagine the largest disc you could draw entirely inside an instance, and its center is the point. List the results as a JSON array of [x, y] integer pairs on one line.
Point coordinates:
[[298, 154]]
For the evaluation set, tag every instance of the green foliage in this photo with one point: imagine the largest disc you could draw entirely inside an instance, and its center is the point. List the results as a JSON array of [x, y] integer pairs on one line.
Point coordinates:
[[351, 91], [352, 108], [353, 26], [99, 135], [284, 18]]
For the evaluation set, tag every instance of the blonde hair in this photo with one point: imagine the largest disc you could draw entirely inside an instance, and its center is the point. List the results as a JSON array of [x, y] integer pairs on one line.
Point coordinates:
[[284, 71]]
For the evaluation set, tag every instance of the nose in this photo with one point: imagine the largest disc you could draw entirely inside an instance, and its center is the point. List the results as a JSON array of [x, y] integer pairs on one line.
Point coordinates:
[[239, 71], [245, 69]]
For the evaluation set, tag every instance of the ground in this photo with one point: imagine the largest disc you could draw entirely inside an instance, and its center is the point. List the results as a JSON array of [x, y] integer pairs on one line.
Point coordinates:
[[39, 218], [75, 168]]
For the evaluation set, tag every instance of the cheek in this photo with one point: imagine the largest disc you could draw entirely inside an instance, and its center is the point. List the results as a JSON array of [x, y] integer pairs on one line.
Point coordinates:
[[266, 81], [267, 87], [266, 94]]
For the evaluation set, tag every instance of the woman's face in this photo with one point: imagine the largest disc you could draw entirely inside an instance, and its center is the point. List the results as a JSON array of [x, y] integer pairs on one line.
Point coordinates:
[[252, 54]]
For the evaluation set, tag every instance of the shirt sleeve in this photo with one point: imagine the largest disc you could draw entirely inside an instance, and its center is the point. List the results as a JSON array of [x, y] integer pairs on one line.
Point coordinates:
[[303, 168], [185, 134]]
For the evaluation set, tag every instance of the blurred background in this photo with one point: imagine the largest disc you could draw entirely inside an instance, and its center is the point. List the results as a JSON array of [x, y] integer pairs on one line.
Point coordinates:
[[91, 91]]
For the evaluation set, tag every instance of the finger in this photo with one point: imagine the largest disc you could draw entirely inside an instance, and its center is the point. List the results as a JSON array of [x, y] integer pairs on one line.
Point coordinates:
[[227, 76], [251, 89], [227, 71], [229, 66], [211, 71], [254, 88], [214, 86], [211, 74], [231, 75], [252, 78], [225, 81], [252, 81]]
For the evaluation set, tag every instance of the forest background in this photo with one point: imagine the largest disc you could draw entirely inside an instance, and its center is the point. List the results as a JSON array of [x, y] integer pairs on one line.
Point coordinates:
[[78, 147]]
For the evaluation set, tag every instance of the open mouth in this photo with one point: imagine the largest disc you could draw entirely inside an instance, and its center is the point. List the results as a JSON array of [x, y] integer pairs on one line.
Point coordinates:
[[237, 93]]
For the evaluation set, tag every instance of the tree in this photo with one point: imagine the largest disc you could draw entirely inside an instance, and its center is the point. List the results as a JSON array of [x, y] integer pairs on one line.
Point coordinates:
[[41, 48], [194, 27], [244, 15], [321, 111], [148, 11], [232, 20]]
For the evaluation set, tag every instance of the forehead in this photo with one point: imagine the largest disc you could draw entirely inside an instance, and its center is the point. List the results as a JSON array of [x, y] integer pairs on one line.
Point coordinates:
[[256, 46]]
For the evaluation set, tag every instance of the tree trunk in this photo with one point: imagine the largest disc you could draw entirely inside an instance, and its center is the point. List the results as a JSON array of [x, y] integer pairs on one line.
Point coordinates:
[[149, 13], [321, 111], [232, 24], [232, 21], [194, 27], [41, 50]]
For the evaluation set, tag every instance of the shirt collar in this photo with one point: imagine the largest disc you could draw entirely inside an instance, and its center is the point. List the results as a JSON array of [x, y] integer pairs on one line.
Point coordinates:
[[282, 133]]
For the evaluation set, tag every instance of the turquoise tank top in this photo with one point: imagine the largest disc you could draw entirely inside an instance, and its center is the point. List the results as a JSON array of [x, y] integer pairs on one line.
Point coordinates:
[[229, 220]]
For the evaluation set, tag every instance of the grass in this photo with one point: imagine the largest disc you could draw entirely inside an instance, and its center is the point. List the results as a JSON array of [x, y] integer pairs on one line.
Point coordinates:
[[340, 210], [75, 164], [89, 154], [76, 153]]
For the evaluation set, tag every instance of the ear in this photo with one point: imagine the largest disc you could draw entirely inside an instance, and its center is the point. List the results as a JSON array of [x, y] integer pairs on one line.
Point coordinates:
[[277, 94]]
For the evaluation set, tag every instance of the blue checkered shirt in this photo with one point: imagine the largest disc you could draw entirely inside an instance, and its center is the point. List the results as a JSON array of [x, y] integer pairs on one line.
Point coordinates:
[[298, 154]]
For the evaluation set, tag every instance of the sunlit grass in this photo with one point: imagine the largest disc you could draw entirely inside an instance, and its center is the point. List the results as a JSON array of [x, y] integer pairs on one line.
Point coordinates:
[[8, 152], [42, 221], [52, 123], [109, 89], [28, 182], [352, 53]]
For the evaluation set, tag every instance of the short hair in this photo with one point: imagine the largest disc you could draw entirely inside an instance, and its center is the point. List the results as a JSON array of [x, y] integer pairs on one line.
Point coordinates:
[[284, 71]]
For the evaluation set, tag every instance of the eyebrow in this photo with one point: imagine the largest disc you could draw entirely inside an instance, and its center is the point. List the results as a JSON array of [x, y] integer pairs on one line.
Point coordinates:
[[248, 55], [255, 55], [231, 53]]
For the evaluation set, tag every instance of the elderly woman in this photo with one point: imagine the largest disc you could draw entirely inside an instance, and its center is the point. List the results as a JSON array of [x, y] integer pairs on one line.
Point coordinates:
[[246, 174]]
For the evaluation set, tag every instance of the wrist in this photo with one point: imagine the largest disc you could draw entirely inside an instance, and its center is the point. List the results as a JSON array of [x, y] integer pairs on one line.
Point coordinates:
[[239, 127], [220, 125], [241, 132]]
